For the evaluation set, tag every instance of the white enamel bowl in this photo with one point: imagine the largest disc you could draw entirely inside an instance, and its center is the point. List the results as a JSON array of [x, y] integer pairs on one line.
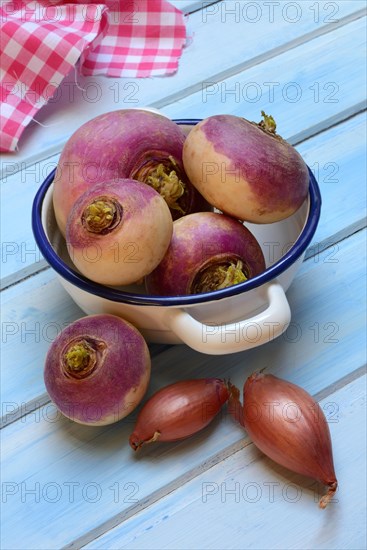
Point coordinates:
[[225, 321]]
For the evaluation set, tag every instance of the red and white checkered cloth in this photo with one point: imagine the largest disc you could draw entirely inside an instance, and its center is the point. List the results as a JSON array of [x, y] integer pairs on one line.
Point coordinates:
[[41, 41]]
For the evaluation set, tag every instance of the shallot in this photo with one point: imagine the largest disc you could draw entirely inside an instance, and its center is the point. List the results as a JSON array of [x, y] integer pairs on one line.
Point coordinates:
[[287, 425], [179, 410]]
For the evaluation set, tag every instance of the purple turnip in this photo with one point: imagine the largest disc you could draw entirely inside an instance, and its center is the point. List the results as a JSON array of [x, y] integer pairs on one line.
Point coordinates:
[[245, 169], [208, 251], [97, 369], [130, 143], [118, 232]]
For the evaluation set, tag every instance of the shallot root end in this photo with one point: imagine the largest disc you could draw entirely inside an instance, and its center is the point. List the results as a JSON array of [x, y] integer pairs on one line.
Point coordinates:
[[324, 501], [135, 444]]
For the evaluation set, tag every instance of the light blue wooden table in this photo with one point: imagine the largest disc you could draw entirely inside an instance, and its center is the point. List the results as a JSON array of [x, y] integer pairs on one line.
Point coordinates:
[[65, 485]]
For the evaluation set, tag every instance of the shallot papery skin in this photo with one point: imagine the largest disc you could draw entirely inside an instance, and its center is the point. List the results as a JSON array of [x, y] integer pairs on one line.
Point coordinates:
[[288, 425], [97, 369], [126, 143], [179, 410]]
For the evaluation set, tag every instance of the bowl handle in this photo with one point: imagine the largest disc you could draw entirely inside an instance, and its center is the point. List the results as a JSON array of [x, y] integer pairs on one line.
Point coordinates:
[[242, 335]]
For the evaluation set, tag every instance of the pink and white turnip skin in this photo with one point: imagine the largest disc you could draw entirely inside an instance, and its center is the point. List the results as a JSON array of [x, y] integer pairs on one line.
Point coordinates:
[[128, 143], [245, 169], [97, 369], [118, 232], [208, 251]]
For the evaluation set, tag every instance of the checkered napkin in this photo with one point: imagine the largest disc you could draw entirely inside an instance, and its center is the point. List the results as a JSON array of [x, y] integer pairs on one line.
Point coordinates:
[[41, 41]]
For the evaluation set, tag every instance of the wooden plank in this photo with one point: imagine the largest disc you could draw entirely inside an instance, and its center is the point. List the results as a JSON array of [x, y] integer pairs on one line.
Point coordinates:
[[301, 94], [335, 166], [246, 501], [47, 453], [41, 301], [81, 98]]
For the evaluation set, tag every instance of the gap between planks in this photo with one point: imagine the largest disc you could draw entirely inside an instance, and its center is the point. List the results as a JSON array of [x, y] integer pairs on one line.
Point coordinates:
[[320, 247], [236, 69], [154, 497], [296, 139], [23, 274], [326, 124], [199, 6]]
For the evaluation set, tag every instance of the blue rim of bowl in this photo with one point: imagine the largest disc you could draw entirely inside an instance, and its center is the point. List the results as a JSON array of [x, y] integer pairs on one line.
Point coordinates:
[[117, 295]]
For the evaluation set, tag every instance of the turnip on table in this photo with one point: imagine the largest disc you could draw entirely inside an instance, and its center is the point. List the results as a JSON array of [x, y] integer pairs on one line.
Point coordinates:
[[97, 369]]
